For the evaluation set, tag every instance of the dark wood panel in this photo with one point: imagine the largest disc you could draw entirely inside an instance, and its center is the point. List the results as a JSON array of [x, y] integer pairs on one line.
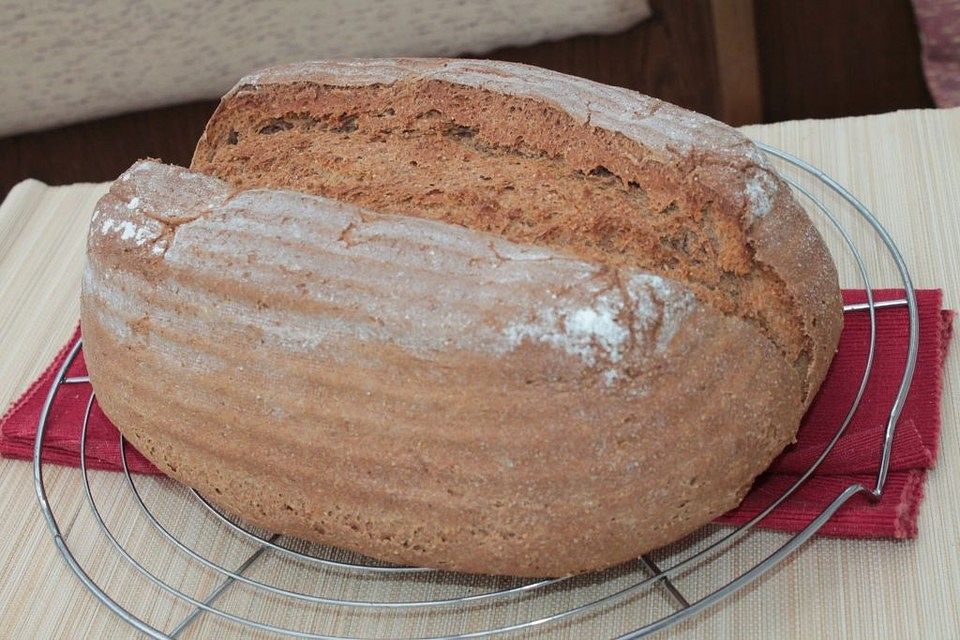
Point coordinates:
[[738, 70], [102, 149], [829, 58], [670, 56]]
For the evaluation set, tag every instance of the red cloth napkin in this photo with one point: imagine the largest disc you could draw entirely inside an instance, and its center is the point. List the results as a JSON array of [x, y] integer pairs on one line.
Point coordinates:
[[856, 456], [854, 459], [61, 441]]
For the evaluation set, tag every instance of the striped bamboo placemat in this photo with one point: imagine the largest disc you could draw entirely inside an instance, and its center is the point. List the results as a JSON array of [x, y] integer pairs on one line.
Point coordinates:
[[903, 165]]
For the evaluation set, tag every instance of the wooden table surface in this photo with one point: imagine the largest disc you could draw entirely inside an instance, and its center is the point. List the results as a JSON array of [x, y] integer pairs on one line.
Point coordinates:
[[904, 166]]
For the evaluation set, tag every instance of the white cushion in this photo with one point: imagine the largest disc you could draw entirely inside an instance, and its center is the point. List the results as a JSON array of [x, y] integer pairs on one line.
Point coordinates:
[[67, 61]]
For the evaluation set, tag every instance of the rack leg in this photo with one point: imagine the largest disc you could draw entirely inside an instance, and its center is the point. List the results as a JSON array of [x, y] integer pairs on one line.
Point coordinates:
[[219, 590], [671, 588]]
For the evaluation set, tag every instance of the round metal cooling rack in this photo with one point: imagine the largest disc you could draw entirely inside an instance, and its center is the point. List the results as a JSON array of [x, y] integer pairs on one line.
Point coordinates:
[[461, 606]]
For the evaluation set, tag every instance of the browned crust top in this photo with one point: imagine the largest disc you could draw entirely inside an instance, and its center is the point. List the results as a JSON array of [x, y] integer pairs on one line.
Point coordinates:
[[781, 235]]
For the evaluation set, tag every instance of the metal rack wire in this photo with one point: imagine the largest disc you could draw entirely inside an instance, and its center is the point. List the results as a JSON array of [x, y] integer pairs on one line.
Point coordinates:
[[527, 605]]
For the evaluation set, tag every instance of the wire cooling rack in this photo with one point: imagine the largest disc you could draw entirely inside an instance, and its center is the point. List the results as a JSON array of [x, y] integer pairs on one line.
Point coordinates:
[[305, 590]]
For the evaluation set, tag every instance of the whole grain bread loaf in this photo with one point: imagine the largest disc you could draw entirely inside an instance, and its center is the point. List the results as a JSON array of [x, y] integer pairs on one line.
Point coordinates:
[[462, 314]]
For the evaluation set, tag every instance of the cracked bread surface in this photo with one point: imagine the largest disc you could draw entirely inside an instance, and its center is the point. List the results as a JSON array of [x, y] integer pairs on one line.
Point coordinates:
[[539, 157], [477, 381]]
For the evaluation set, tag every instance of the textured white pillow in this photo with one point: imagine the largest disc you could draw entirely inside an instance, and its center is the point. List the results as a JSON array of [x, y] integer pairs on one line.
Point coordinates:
[[67, 61]]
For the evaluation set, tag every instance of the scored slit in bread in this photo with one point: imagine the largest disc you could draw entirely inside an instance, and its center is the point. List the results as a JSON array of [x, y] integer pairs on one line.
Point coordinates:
[[504, 149]]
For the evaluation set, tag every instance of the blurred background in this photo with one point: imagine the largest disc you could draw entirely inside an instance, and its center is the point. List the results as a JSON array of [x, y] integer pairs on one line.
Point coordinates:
[[86, 88]]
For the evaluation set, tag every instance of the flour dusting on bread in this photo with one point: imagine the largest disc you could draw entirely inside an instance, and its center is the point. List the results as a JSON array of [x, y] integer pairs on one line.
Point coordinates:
[[127, 230], [603, 331], [759, 187], [587, 332], [661, 307]]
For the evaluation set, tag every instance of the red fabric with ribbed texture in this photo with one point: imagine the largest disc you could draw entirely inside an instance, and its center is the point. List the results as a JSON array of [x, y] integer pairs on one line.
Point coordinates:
[[856, 456]]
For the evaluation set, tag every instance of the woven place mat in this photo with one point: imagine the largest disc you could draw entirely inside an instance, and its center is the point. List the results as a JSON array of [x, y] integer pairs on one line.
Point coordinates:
[[903, 166]]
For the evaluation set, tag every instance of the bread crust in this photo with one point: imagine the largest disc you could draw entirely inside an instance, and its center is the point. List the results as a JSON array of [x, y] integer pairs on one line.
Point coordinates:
[[433, 395], [696, 153], [454, 419]]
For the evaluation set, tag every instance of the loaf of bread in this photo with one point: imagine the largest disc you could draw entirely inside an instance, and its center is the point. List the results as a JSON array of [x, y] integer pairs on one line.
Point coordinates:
[[461, 314]]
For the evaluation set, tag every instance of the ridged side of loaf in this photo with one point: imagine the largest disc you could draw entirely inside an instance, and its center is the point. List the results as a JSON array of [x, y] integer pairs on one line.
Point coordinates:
[[417, 391]]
